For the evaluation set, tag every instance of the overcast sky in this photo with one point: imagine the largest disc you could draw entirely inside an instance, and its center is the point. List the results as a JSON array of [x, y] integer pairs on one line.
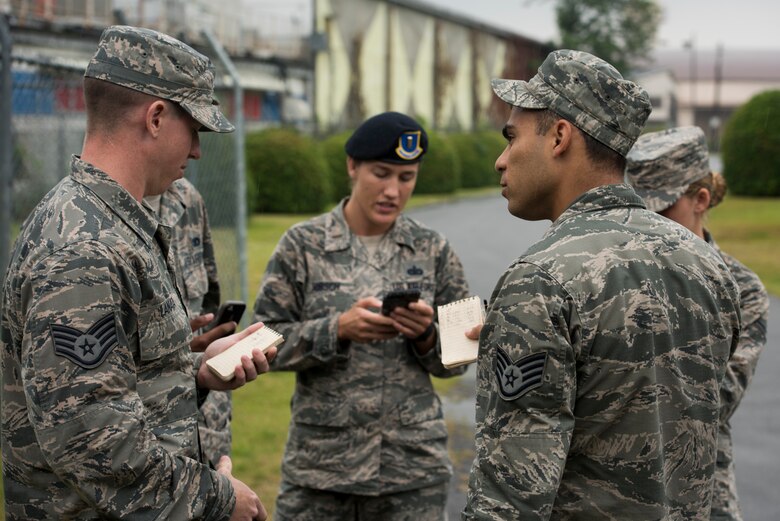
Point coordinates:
[[745, 24]]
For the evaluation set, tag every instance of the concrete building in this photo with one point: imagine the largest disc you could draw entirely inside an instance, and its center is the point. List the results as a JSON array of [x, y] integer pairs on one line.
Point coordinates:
[[275, 70], [703, 87], [405, 55]]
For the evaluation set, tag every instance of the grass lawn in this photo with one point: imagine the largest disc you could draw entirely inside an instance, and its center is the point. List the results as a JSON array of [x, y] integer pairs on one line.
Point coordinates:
[[748, 228]]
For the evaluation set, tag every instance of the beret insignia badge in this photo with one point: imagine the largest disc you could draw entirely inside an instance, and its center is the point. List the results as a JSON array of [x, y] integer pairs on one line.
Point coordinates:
[[409, 145]]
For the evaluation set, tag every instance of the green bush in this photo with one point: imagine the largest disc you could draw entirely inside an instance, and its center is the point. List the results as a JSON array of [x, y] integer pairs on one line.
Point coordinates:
[[440, 168], [478, 152], [751, 147], [332, 150], [285, 173]]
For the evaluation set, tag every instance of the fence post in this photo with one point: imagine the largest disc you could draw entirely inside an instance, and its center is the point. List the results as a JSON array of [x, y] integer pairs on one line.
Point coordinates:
[[238, 121], [6, 149]]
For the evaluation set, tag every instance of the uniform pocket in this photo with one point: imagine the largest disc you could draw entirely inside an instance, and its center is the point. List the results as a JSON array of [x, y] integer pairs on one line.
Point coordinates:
[[419, 409], [325, 412], [163, 329], [166, 382], [195, 280]]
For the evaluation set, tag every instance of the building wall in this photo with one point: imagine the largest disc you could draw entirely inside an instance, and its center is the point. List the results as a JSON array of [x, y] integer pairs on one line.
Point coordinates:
[[707, 103], [660, 86], [384, 56]]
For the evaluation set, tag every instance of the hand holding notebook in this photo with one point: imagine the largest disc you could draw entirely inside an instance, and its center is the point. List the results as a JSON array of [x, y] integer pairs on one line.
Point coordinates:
[[224, 364], [455, 319]]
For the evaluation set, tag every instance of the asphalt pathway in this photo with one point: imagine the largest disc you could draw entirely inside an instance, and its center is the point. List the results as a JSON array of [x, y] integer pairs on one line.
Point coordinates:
[[487, 239]]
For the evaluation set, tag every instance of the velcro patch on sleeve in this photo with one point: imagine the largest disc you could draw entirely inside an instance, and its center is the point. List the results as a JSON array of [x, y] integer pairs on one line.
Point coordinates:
[[518, 378], [86, 349]]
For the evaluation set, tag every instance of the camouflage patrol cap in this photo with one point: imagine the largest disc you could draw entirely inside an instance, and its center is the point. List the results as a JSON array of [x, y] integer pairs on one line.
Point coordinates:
[[587, 91], [156, 64], [662, 165], [390, 137]]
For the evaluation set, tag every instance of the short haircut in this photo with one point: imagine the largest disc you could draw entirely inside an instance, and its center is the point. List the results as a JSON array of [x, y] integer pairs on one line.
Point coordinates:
[[597, 151], [108, 104]]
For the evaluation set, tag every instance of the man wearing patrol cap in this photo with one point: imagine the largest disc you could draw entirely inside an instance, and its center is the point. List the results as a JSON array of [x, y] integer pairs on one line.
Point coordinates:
[[367, 439], [670, 170], [597, 378], [99, 395]]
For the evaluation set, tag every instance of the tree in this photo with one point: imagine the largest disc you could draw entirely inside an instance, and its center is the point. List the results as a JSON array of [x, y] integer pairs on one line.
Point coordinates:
[[620, 32], [751, 147]]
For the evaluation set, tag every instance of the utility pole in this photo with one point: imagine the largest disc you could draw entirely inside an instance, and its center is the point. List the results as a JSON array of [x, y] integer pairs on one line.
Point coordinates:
[[716, 120], [691, 46], [6, 148]]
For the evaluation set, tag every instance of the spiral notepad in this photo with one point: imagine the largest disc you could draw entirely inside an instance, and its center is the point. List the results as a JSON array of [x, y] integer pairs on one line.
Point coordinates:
[[455, 319], [224, 364]]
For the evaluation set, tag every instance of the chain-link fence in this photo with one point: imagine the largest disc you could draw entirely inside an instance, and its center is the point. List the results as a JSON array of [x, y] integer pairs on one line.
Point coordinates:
[[47, 126]]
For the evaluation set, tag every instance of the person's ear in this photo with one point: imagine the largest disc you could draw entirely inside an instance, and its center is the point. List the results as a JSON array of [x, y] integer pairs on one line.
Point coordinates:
[[561, 134], [154, 116], [351, 168], [701, 200]]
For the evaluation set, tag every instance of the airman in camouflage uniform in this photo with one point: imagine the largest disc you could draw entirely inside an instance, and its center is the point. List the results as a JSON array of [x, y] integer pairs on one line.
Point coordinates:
[[99, 411], [182, 208], [367, 440], [670, 170], [604, 344]]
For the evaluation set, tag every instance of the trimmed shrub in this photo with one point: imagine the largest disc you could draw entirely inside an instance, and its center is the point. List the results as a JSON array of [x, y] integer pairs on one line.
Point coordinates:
[[751, 147], [440, 168], [285, 173], [332, 150], [478, 152]]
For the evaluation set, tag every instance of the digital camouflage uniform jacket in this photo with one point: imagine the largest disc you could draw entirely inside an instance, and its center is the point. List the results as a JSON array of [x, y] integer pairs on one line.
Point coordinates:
[[754, 307], [599, 368], [365, 417], [183, 209], [99, 412]]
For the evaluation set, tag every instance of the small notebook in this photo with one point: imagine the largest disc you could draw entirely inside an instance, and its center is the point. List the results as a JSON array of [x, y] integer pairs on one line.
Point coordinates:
[[455, 319], [224, 364]]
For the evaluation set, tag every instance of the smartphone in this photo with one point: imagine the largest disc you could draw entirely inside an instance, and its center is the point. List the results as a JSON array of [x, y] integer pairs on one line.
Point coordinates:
[[229, 311], [402, 298]]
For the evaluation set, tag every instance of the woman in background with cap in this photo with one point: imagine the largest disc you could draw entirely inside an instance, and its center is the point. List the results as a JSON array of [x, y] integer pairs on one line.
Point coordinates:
[[670, 170]]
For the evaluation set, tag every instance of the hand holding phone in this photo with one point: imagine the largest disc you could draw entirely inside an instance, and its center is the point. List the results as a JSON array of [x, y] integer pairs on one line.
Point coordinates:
[[229, 311], [399, 298]]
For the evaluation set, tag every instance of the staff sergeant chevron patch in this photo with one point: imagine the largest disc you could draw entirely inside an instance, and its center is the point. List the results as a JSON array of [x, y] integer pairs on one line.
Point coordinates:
[[87, 350], [517, 378]]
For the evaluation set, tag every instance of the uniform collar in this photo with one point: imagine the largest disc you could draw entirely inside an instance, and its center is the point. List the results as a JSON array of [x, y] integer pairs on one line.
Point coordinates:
[[602, 198], [338, 236], [119, 200]]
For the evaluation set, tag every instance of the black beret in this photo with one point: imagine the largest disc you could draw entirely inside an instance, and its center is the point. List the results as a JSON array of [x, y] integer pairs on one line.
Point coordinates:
[[390, 137]]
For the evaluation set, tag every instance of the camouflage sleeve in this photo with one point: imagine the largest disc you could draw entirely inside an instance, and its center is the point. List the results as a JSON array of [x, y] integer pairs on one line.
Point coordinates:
[[212, 297], [91, 424], [451, 285], [279, 304], [525, 418], [754, 308]]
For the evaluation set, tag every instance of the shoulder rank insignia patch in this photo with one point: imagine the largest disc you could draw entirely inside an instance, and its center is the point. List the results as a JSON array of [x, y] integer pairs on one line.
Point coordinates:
[[409, 145], [517, 378], [87, 350]]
